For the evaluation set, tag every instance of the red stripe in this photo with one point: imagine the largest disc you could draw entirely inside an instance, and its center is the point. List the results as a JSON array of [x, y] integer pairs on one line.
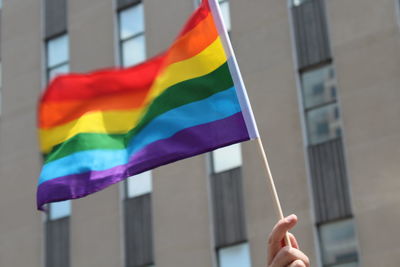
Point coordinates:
[[104, 82]]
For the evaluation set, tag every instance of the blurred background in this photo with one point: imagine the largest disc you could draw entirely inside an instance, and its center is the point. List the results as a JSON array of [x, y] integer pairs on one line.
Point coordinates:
[[324, 81]]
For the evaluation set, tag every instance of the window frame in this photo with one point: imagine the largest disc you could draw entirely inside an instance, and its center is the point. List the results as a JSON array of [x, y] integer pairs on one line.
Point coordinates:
[[246, 247], [49, 69], [126, 185], [122, 41], [322, 244], [334, 101], [213, 159]]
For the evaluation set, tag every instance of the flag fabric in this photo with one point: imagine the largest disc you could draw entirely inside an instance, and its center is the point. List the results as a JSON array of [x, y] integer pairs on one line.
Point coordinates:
[[99, 128]]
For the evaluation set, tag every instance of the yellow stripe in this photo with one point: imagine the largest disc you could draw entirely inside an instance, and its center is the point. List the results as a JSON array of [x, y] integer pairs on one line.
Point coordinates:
[[203, 63], [109, 122], [115, 122]]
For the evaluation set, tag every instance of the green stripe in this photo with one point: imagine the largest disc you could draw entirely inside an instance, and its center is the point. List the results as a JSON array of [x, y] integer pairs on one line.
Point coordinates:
[[177, 95]]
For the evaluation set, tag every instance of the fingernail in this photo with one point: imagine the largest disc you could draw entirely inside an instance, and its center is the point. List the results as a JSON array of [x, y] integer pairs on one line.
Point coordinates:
[[290, 218]]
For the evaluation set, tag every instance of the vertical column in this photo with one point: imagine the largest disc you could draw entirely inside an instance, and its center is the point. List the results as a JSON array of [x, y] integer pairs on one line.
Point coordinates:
[[324, 144], [137, 202], [57, 62], [57, 234], [228, 207], [138, 221]]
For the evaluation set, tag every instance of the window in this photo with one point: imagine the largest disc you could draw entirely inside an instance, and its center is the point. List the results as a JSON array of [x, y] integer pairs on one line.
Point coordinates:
[[235, 256], [225, 9], [338, 243], [58, 210], [131, 35], [57, 56], [58, 234], [226, 158], [322, 111], [297, 2], [138, 185], [138, 221]]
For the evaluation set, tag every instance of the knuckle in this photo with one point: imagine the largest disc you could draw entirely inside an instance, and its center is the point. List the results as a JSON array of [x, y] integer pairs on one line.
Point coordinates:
[[287, 251], [307, 261]]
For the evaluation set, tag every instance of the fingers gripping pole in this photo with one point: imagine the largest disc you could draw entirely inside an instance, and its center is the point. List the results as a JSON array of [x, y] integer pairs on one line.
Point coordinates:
[[272, 187]]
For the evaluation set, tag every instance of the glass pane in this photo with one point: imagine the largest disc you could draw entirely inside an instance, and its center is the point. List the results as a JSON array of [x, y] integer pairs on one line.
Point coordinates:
[[226, 14], [133, 51], [235, 256], [319, 87], [298, 2], [339, 243], [58, 70], [227, 158], [323, 124], [60, 209], [57, 51], [131, 21], [138, 185]]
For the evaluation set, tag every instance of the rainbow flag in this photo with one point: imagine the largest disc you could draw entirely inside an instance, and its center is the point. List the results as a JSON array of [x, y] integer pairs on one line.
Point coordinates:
[[99, 128]]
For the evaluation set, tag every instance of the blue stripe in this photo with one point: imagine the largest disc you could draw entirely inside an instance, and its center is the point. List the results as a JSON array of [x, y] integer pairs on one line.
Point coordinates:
[[215, 107]]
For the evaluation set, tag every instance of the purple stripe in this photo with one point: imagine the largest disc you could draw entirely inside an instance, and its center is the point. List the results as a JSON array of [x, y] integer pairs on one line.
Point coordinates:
[[186, 143]]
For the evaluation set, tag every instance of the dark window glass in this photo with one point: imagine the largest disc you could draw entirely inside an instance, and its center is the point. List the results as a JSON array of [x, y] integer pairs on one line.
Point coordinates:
[[322, 124], [317, 86], [339, 244]]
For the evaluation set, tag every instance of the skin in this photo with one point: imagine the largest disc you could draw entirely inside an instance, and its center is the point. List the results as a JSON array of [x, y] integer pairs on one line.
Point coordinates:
[[280, 255]]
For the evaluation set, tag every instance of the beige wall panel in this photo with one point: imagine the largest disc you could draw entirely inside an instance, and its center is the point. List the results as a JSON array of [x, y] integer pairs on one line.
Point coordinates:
[[20, 223], [96, 220], [366, 44], [161, 26], [261, 38], [181, 214], [91, 26]]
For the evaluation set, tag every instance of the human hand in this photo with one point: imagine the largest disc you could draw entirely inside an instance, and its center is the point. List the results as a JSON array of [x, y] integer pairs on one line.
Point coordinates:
[[280, 255]]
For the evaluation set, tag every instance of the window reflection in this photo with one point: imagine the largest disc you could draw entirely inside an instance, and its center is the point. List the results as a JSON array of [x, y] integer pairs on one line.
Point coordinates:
[[131, 21], [57, 51], [235, 256], [298, 2], [134, 51], [319, 87], [320, 103], [131, 34], [138, 185], [227, 158], [57, 56], [59, 210], [339, 245], [323, 124]]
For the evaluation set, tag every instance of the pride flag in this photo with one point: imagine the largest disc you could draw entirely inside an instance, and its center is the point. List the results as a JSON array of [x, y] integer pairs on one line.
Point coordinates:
[[99, 128]]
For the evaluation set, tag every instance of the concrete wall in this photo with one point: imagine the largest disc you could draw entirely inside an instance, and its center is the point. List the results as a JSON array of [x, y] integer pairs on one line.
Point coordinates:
[[262, 40], [20, 224], [365, 39], [366, 42]]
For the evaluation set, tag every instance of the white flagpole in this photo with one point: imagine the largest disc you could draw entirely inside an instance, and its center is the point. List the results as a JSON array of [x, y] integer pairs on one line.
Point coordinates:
[[245, 104]]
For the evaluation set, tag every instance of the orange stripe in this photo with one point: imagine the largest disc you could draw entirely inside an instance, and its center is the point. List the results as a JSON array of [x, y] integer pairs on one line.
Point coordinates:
[[201, 12], [193, 42], [57, 113]]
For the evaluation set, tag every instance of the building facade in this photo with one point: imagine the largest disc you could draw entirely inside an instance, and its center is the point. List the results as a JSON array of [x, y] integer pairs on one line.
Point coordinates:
[[323, 79]]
